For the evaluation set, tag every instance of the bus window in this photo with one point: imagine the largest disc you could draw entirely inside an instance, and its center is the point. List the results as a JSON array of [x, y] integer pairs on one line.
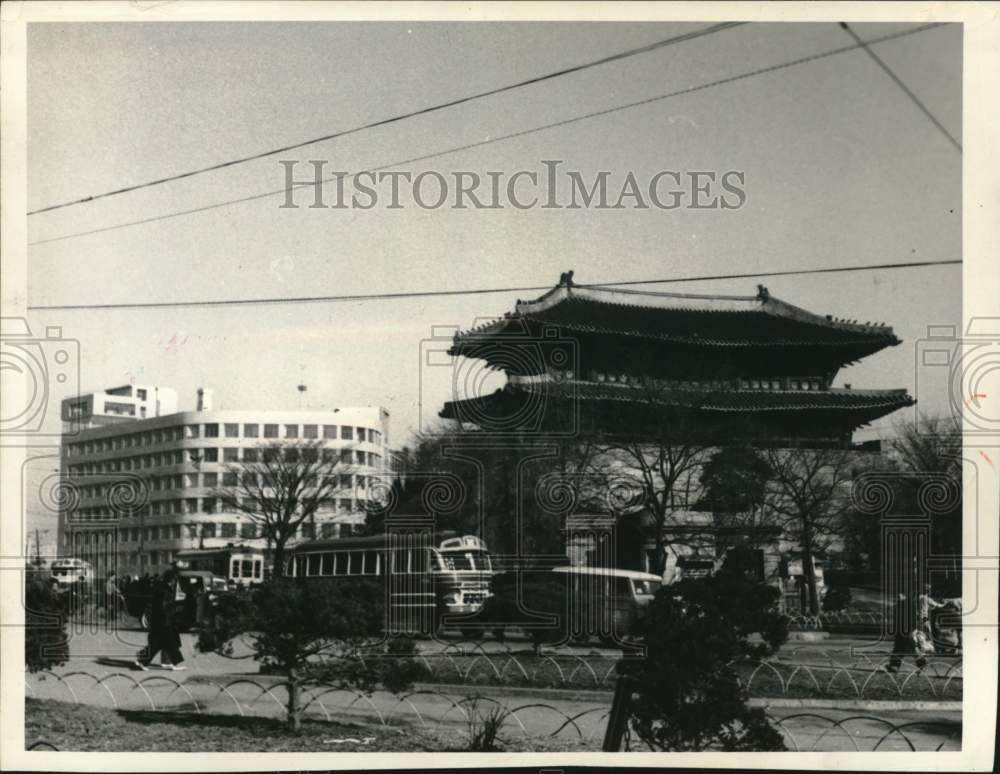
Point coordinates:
[[246, 568], [236, 568], [354, 562], [339, 566], [300, 566], [645, 587], [313, 564], [327, 568], [371, 563]]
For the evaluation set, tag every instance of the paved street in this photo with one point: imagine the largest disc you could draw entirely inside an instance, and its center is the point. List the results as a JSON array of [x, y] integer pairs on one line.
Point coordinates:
[[99, 673]]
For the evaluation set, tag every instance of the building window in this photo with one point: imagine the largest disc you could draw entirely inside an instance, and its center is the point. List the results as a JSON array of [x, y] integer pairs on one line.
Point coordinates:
[[140, 394], [230, 454], [210, 455], [328, 530], [360, 457], [270, 431], [232, 430], [248, 530], [309, 431], [208, 530], [191, 505], [228, 529], [308, 530], [329, 455], [191, 431], [329, 431], [347, 433], [345, 481], [208, 505], [249, 455], [345, 456], [345, 505], [175, 531], [229, 479], [361, 434], [190, 479], [291, 431], [211, 431], [250, 431], [210, 479]]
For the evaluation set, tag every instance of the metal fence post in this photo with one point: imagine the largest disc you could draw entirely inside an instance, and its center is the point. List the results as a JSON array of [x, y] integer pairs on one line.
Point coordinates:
[[618, 718]]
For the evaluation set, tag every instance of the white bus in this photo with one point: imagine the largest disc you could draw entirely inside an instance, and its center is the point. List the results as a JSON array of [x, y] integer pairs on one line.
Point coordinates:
[[69, 570]]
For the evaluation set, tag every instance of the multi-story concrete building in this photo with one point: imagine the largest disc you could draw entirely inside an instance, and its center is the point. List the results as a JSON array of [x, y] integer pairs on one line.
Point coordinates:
[[119, 404], [139, 491]]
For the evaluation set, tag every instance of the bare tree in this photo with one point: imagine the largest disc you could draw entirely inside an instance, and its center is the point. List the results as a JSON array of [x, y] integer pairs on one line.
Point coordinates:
[[933, 445], [659, 454], [287, 485], [809, 493]]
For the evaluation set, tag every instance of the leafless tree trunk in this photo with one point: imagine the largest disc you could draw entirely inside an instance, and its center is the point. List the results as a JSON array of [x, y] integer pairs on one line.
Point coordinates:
[[287, 485]]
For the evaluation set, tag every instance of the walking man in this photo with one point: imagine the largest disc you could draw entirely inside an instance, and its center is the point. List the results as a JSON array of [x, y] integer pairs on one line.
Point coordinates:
[[114, 600], [163, 636]]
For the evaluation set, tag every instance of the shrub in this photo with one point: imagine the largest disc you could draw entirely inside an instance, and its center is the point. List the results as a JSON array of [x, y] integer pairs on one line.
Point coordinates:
[[326, 631], [45, 642], [689, 694], [837, 598]]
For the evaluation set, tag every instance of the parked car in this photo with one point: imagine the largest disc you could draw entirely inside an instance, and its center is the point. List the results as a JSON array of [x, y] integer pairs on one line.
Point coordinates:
[[203, 592]]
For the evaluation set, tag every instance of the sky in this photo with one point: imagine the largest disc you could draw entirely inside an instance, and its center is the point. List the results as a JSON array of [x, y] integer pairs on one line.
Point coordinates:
[[841, 169]]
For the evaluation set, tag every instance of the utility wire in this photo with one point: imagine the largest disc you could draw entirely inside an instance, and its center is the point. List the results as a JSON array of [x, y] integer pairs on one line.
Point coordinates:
[[501, 138], [404, 116], [898, 82], [480, 291]]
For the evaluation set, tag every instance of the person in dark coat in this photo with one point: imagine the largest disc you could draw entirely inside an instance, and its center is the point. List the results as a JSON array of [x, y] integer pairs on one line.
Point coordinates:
[[163, 636], [905, 624]]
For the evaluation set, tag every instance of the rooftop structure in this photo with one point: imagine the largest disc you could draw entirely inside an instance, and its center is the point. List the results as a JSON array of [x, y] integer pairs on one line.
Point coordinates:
[[755, 365], [118, 404]]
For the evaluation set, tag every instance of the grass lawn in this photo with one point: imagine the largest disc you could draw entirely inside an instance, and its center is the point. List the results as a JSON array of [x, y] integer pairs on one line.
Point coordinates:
[[81, 728], [596, 672]]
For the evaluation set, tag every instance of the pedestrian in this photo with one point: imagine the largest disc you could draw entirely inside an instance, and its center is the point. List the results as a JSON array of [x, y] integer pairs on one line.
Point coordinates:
[[927, 605], [114, 600], [908, 637], [163, 635]]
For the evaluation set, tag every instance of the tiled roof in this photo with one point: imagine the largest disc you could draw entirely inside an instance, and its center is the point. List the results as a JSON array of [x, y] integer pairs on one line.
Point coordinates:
[[724, 321], [741, 401]]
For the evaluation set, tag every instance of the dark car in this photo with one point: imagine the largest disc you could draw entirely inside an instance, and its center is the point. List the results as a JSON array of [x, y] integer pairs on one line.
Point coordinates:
[[203, 592], [567, 604]]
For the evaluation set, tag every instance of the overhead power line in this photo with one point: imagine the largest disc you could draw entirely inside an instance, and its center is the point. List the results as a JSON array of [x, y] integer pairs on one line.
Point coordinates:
[[404, 116], [500, 138], [480, 291], [902, 86]]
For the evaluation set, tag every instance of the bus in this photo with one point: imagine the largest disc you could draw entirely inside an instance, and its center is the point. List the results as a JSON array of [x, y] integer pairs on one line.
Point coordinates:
[[239, 565], [68, 571], [432, 581]]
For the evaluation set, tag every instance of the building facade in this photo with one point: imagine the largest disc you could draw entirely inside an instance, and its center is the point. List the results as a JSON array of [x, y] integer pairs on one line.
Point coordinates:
[[136, 492], [119, 404]]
